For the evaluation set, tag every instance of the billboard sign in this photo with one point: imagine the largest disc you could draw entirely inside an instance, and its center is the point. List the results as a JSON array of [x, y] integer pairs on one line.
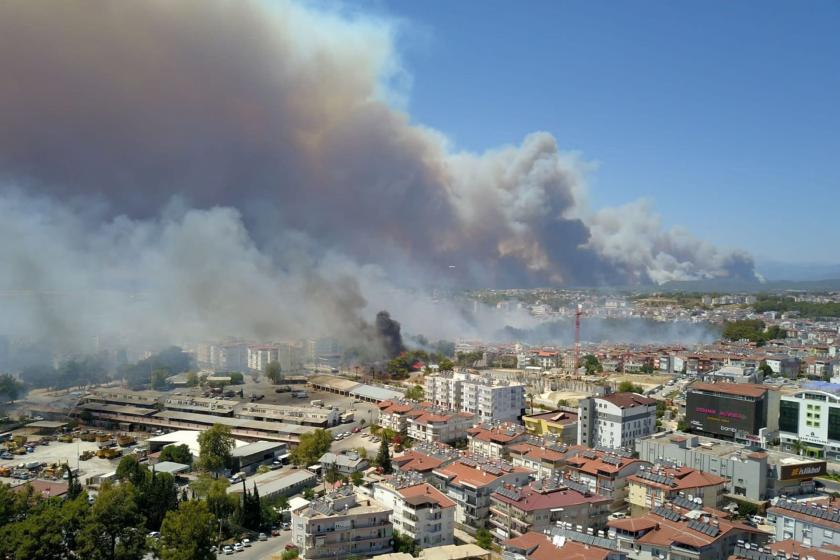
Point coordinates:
[[723, 415], [802, 470]]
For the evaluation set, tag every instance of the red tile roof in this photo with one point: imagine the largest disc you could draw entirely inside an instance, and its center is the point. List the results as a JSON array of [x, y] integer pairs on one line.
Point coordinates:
[[425, 492], [537, 546], [416, 461], [532, 500], [684, 478]]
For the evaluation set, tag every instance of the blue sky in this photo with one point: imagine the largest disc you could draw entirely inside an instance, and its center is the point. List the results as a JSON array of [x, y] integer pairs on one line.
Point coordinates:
[[724, 113]]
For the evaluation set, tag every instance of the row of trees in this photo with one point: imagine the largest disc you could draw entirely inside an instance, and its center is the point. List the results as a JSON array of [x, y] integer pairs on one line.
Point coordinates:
[[753, 330], [10, 388]]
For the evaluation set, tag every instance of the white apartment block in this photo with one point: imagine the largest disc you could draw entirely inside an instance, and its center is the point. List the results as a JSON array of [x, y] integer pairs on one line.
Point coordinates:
[[616, 420], [337, 526], [420, 510], [261, 356], [487, 398]]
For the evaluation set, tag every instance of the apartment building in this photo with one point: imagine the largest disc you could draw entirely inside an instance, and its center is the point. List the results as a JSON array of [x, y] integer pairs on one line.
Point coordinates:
[[539, 546], [656, 485], [420, 510], [604, 472], [260, 356], [488, 398], [562, 424], [339, 526], [541, 504], [470, 481], [440, 427], [670, 533], [811, 524], [424, 458], [495, 440], [545, 460], [616, 420]]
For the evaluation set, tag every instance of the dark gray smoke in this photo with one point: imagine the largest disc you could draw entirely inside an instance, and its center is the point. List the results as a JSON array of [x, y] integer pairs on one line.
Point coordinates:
[[213, 167], [388, 331]]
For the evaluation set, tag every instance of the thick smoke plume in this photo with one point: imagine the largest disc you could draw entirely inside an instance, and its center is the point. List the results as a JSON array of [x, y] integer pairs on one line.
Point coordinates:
[[213, 167]]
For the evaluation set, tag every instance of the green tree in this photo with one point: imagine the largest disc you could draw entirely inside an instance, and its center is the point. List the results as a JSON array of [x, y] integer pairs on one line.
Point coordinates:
[[765, 369], [215, 446], [415, 393], [592, 364], [74, 487], [192, 379], [273, 372], [155, 497], [682, 425], [214, 491], [311, 447], [308, 494], [362, 452], [356, 478], [131, 470], [484, 539], [187, 533], [115, 528], [445, 364], [177, 454], [383, 458], [332, 475], [404, 543], [630, 387]]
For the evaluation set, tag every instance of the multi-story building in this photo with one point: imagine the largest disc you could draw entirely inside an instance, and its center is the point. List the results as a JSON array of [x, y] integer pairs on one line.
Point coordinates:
[[809, 421], [654, 486], [440, 427], [561, 543], [562, 424], [604, 472], [338, 526], [671, 533], [488, 398], [424, 458], [420, 510], [314, 416], [545, 460], [735, 411], [811, 524], [261, 356], [755, 474], [495, 440], [616, 420], [470, 481], [541, 504], [548, 359], [231, 356]]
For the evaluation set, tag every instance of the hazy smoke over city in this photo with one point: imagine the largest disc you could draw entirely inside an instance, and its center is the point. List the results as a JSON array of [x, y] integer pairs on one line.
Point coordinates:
[[237, 168]]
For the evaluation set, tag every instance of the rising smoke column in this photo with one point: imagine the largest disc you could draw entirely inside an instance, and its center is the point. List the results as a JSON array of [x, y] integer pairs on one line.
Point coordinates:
[[221, 158]]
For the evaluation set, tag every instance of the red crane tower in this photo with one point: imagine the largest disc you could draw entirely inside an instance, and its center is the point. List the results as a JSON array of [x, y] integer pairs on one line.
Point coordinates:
[[578, 314]]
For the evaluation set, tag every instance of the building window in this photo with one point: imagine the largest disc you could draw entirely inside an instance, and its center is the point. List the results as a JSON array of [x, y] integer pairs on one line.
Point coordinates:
[[789, 416]]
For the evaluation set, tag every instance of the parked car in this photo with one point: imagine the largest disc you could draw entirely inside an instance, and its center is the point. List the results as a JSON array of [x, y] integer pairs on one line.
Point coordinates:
[[227, 549], [356, 430], [246, 542], [262, 537], [237, 547]]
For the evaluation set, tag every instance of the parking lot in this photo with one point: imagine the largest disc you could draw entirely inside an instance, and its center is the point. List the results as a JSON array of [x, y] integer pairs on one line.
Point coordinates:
[[57, 452]]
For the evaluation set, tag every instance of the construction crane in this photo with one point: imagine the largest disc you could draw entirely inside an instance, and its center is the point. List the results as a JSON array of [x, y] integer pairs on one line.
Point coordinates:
[[578, 313]]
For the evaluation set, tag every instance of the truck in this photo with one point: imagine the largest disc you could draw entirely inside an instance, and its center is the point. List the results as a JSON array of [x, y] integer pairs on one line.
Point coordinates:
[[299, 394], [316, 402], [108, 453], [347, 417]]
